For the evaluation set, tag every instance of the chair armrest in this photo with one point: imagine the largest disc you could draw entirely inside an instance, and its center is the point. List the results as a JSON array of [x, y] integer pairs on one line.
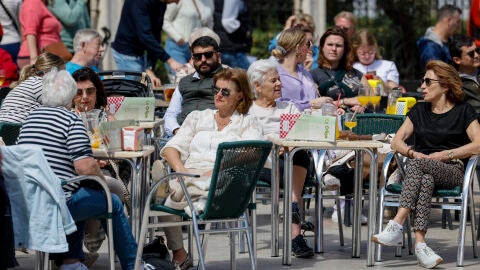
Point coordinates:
[[469, 172]]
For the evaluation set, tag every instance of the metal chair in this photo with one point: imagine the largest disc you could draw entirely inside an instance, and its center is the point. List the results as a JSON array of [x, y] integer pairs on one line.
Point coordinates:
[[9, 132], [235, 174], [458, 198]]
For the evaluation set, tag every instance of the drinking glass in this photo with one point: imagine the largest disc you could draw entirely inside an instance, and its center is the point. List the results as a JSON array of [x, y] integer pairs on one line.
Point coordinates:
[[350, 120], [376, 95], [363, 95], [2, 76]]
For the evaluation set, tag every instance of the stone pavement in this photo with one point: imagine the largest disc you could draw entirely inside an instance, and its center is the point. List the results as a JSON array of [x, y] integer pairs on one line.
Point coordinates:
[[443, 241]]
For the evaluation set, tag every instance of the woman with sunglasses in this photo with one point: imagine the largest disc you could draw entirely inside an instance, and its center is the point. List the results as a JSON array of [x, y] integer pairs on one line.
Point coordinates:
[[193, 148], [265, 82], [435, 162], [369, 61], [335, 75], [298, 86]]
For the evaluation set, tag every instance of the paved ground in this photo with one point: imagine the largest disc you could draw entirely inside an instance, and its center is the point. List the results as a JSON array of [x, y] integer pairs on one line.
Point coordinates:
[[444, 241]]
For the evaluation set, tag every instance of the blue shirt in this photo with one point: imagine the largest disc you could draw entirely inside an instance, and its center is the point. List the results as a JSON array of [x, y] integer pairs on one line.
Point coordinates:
[[72, 67]]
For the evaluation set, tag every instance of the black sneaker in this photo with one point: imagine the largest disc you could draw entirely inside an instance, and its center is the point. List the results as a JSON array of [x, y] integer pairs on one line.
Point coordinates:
[[300, 249], [296, 218]]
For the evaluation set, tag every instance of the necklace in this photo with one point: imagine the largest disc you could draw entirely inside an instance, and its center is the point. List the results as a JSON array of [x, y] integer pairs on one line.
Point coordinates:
[[221, 124]]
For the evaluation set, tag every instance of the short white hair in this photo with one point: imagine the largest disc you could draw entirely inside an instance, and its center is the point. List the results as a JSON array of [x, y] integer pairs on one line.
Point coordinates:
[[257, 71], [84, 36], [59, 88]]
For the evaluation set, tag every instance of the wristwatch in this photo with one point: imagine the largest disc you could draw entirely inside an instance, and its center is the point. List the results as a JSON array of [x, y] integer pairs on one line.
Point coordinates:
[[450, 154]]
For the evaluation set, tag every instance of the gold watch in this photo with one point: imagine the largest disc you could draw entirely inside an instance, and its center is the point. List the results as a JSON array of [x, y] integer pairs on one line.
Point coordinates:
[[450, 154]]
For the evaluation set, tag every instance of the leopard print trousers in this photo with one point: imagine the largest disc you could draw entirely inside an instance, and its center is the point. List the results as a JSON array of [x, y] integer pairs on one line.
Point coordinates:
[[422, 176]]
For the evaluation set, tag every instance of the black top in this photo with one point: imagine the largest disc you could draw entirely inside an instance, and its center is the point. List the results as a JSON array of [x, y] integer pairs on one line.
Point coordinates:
[[140, 29], [332, 82], [437, 132]]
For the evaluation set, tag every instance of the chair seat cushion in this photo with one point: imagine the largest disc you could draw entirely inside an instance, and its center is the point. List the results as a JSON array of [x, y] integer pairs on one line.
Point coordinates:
[[456, 191], [163, 208], [261, 183]]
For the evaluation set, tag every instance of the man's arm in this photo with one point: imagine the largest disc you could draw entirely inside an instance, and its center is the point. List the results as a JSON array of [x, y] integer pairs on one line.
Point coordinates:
[[173, 110], [87, 166]]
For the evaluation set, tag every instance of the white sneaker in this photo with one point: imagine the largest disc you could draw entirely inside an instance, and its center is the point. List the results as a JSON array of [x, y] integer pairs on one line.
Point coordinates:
[[426, 256], [363, 219], [392, 235]]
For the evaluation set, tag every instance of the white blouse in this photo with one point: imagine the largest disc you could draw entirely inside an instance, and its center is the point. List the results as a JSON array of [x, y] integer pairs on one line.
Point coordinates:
[[386, 70], [198, 138]]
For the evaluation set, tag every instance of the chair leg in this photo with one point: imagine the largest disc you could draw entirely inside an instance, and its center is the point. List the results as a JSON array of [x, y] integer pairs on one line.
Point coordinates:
[[201, 259], [340, 225], [231, 235], [473, 220], [41, 260], [381, 206], [252, 251]]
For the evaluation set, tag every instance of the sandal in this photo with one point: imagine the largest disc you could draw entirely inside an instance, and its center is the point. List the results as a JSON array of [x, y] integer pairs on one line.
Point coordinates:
[[187, 263]]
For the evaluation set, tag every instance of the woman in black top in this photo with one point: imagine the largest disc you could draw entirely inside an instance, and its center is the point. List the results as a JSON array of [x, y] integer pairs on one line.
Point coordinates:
[[444, 131], [335, 75]]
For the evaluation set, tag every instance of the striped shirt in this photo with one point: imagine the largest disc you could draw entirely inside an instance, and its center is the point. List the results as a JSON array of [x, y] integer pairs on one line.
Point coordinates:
[[21, 100], [62, 136]]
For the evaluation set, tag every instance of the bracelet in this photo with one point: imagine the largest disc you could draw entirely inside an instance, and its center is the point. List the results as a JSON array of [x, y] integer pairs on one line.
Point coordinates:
[[450, 154]]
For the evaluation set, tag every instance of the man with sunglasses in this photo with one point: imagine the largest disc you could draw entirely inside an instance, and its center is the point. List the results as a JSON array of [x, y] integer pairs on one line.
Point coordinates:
[[194, 91], [466, 59]]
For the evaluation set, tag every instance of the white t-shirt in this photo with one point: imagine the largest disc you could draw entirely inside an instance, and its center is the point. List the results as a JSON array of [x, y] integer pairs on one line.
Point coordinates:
[[269, 118], [386, 70]]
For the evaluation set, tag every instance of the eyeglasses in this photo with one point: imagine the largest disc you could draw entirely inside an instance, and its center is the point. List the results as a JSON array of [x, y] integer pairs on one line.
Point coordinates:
[[309, 43], [343, 28], [198, 56], [472, 52], [89, 91], [428, 81], [364, 53], [225, 91]]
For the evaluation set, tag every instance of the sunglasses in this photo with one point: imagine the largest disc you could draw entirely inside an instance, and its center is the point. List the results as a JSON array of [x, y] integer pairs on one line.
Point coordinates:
[[472, 52], [365, 53], [89, 91], [428, 81], [225, 91], [198, 56]]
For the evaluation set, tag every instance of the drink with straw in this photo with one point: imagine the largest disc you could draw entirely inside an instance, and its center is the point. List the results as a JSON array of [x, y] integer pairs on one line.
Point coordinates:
[[350, 120]]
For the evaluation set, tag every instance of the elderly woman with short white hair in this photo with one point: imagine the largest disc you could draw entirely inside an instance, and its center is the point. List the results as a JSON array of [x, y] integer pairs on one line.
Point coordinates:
[[88, 48], [63, 138], [265, 82]]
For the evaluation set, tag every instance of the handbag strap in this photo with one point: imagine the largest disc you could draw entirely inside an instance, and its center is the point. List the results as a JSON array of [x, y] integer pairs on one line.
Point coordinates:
[[196, 8], [14, 22]]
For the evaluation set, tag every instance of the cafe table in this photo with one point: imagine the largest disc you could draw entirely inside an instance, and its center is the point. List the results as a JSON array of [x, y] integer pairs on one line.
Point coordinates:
[[290, 148], [139, 161]]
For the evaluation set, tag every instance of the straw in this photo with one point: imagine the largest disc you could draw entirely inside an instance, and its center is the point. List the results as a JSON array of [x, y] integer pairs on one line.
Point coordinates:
[[353, 115], [338, 100]]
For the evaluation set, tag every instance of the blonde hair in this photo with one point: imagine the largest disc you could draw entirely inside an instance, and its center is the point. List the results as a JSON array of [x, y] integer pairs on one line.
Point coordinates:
[[347, 15], [287, 42], [45, 62], [365, 38]]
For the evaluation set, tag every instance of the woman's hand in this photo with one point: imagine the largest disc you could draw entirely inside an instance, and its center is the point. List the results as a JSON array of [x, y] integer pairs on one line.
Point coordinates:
[[440, 156], [102, 163], [351, 101], [357, 109], [156, 82], [307, 64], [318, 102], [420, 155]]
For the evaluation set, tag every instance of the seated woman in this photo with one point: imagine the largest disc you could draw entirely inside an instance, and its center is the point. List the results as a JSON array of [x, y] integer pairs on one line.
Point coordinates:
[[65, 143], [91, 95], [193, 149], [88, 48], [435, 161], [335, 75], [26, 94], [265, 82], [368, 60]]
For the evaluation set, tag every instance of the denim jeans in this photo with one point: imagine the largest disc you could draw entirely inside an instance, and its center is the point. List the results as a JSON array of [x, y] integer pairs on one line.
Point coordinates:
[[88, 203], [233, 60], [129, 62], [179, 53]]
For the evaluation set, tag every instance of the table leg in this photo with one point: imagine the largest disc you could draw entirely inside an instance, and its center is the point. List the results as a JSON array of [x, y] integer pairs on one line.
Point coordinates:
[[372, 214], [275, 194], [287, 208], [357, 209]]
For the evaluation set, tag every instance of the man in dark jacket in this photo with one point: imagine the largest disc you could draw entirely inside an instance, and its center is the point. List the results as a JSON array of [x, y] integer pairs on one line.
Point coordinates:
[[466, 59], [140, 30]]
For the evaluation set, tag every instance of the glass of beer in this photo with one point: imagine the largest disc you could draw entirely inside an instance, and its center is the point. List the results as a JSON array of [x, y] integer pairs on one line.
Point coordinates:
[[168, 90]]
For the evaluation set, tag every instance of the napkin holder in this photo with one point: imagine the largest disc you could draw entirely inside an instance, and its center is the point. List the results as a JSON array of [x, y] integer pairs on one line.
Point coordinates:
[[307, 127]]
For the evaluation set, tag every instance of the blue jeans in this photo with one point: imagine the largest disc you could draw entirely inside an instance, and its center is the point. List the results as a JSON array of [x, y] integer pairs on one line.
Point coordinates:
[[88, 203], [179, 53], [129, 62], [233, 60]]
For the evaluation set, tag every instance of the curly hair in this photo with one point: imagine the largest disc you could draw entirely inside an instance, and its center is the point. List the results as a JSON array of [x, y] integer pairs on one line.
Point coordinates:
[[448, 77], [239, 77], [347, 59], [87, 74]]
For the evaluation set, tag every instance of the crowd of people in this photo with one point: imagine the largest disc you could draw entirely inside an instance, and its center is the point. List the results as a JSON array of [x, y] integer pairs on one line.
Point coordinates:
[[224, 97]]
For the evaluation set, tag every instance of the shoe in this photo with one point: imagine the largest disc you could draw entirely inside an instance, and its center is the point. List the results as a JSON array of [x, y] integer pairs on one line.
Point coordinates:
[[426, 256], [90, 258], [187, 263], [300, 249], [392, 235], [363, 219], [296, 218]]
